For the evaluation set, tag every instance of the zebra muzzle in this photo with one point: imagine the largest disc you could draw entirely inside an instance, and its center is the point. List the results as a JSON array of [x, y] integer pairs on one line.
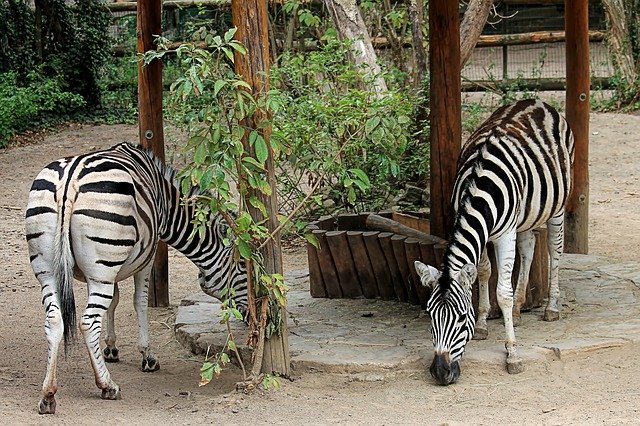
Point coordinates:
[[444, 372]]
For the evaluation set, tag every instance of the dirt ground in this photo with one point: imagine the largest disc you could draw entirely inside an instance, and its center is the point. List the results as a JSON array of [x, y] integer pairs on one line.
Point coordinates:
[[594, 388]]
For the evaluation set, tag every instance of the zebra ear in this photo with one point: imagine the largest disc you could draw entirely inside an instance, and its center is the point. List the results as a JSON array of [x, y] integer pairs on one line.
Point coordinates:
[[428, 274], [468, 275]]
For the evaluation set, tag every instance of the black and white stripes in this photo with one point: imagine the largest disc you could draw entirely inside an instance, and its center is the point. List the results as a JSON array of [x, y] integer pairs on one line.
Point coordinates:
[[98, 217], [514, 175]]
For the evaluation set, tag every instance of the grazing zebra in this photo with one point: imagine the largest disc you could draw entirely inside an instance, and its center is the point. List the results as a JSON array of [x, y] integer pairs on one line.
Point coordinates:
[[514, 175], [98, 217]]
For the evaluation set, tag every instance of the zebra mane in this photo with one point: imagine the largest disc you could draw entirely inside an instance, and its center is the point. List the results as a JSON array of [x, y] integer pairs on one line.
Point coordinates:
[[169, 172]]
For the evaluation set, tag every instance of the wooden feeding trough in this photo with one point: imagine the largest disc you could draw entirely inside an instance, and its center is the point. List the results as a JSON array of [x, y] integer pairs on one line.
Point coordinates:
[[372, 256]]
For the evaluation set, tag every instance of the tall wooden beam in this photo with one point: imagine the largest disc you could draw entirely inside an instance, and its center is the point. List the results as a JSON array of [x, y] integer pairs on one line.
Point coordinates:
[[576, 20], [445, 99], [149, 17]]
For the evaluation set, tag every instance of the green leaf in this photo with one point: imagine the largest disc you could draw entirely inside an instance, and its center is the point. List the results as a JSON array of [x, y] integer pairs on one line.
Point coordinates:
[[231, 345], [362, 176], [262, 152], [351, 195], [313, 240], [244, 248], [200, 155], [371, 124], [229, 34], [218, 85]]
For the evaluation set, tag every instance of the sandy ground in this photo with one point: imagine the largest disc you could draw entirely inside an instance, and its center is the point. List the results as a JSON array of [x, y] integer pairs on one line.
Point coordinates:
[[595, 388]]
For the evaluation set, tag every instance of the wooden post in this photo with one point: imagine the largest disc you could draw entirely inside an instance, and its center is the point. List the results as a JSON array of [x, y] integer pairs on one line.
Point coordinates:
[[576, 18], [150, 124], [251, 20], [444, 64]]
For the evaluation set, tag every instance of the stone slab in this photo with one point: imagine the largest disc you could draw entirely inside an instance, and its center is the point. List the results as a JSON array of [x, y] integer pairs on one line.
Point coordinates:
[[374, 338]]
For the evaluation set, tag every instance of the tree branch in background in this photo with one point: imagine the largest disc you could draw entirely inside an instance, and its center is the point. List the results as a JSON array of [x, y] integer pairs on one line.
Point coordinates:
[[471, 27]]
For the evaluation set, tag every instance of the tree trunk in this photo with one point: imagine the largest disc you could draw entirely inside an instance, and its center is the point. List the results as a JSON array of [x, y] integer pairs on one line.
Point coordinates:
[[416, 16], [251, 19], [619, 39], [471, 27], [350, 25]]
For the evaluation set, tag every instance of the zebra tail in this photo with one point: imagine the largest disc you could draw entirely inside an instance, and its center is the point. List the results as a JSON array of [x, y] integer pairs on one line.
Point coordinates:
[[63, 273]]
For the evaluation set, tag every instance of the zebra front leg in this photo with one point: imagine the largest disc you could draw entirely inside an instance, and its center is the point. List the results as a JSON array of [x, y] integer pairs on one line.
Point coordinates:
[[484, 272], [53, 329], [100, 296], [555, 244], [110, 351], [505, 255], [526, 242], [140, 303]]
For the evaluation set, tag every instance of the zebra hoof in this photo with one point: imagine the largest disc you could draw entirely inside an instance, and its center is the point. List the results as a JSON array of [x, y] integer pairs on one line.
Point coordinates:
[[551, 315], [110, 354], [47, 405], [515, 366], [111, 393], [480, 334], [150, 364]]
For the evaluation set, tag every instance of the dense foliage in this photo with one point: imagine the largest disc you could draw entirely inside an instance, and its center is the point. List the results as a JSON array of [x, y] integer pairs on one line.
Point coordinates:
[[53, 56]]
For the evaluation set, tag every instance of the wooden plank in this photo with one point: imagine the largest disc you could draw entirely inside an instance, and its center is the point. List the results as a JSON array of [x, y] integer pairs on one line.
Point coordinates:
[[362, 263], [316, 283], [327, 267], [350, 222], [397, 242], [396, 277], [418, 223], [445, 110], [150, 126], [379, 264], [412, 253], [343, 260], [576, 16], [328, 223]]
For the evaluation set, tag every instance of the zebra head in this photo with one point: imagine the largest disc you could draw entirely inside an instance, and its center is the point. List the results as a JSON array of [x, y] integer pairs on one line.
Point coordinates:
[[452, 317], [222, 274]]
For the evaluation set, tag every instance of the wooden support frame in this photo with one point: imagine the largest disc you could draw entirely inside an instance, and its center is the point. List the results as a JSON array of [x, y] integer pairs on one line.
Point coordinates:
[[445, 110], [577, 100], [149, 22]]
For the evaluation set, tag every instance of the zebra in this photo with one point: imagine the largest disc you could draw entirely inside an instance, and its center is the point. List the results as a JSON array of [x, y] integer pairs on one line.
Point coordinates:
[[513, 175], [97, 217]]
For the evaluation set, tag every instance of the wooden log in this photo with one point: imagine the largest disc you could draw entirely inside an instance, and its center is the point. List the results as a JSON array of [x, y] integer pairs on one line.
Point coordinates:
[[380, 266], [541, 84], [531, 38], [397, 243], [343, 260], [327, 267], [364, 269], [377, 222], [539, 277], [412, 253], [316, 283], [396, 277]]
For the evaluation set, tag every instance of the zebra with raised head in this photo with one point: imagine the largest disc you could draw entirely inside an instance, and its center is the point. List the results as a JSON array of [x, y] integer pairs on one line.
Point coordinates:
[[98, 217], [514, 175]]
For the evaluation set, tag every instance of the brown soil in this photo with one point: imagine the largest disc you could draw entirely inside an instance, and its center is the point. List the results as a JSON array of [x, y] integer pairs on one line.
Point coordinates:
[[597, 387]]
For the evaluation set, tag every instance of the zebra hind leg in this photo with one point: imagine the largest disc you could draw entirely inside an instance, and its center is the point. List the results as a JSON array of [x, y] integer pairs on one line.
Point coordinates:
[[110, 351], [100, 296], [526, 242], [555, 243], [140, 302], [53, 329]]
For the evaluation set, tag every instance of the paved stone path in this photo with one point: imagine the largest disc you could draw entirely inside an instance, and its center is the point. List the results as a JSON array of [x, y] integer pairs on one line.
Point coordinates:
[[381, 338]]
